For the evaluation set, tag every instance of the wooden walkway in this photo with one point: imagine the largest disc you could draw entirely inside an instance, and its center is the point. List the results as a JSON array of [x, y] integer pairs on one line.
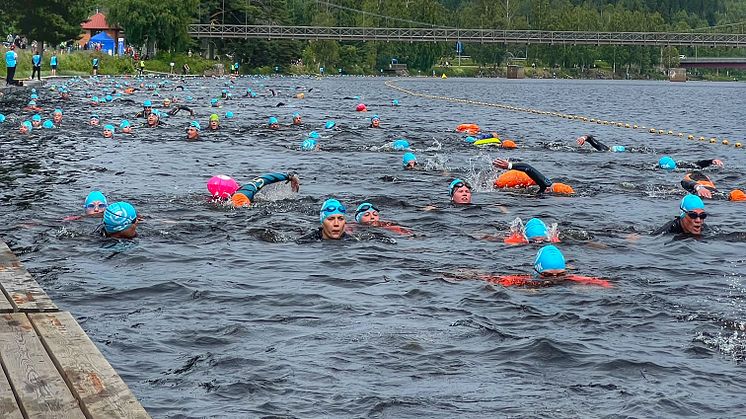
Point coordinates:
[[50, 368]]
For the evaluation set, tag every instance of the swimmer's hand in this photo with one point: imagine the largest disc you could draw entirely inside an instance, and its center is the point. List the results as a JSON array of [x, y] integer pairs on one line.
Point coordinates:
[[501, 163], [581, 140], [294, 182], [703, 192], [718, 163]]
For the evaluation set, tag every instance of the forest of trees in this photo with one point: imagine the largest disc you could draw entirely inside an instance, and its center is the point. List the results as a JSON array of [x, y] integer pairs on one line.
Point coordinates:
[[164, 22]]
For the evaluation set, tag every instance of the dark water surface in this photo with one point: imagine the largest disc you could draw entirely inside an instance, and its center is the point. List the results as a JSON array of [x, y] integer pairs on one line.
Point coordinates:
[[214, 312]]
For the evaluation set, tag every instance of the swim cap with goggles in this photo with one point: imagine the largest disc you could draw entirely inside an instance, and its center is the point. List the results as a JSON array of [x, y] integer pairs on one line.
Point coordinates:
[[95, 196], [214, 117], [57, 111], [330, 207], [691, 203], [667, 163], [48, 124], [273, 120], [375, 118], [535, 228], [407, 158], [549, 258], [124, 124], [119, 216], [36, 118], [109, 128], [455, 184], [195, 125], [362, 209]]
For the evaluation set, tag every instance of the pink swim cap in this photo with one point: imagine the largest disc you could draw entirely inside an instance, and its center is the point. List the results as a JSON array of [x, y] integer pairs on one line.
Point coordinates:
[[222, 186], [361, 108]]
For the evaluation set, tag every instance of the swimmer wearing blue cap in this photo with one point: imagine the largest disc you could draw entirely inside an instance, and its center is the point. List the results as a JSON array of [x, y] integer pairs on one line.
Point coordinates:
[[95, 204], [125, 126], [375, 121], [273, 123], [57, 117], [409, 161], [154, 119], [108, 131], [26, 127], [36, 121], [147, 109], [297, 119], [244, 196], [309, 144], [333, 222], [330, 125], [366, 213], [193, 131], [400, 144], [691, 219], [460, 192], [120, 221]]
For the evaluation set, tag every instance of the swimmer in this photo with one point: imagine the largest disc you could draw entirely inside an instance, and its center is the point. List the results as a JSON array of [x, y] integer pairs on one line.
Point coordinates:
[[368, 215], [549, 269], [525, 175], [108, 131], [120, 221], [535, 231], [214, 103], [31, 106], [57, 117], [214, 123], [125, 126], [147, 109], [698, 183], [36, 121], [26, 127], [333, 222], [244, 195], [669, 164], [154, 119], [460, 192], [273, 123], [95, 204], [375, 122], [297, 119], [409, 161], [691, 220], [599, 146], [193, 131], [94, 121]]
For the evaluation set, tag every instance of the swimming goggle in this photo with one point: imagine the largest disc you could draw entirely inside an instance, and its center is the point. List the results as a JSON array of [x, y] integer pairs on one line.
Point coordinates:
[[333, 208], [458, 185], [694, 215], [366, 207], [94, 205]]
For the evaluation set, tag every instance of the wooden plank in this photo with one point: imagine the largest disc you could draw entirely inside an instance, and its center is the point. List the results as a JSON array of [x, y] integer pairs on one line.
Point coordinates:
[[40, 390], [8, 258], [8, 405], [5, 305], [102, 393], [24, 292]]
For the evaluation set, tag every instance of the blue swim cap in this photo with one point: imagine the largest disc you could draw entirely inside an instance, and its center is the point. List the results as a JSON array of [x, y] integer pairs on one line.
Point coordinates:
[[375, 117], [34, 96], [147, 104], [549, 258], [454, 182], [229, 115], [94, 196], [213, 101], [195, 124], [691, 203], [102, 100], [535, 228], [408, 157], [395, 102], [109, 98], [36, 117], [58, 110], [94, 99], [273, 120], [48, 124], [470, 139], [253, 94], [31, 103], [308, 144], [2, 118], [119, 216], [109, 127], [94, 116], [189, 98], [33, 90], [400, 144], [314, 134], [618, 149], [362, 209], [330, 124], [330, 207], [124, 124], [28, 125], [667, 163], [296, 114]]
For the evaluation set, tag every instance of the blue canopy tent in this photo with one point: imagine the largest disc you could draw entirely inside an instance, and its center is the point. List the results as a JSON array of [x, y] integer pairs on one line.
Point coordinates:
[[107, 44]]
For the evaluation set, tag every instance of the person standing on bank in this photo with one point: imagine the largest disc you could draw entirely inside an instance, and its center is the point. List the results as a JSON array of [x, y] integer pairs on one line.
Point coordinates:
[[11, 59], [36, 65]]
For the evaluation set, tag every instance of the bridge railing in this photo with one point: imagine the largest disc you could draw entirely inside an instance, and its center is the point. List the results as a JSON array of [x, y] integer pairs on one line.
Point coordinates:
[[466, 35]]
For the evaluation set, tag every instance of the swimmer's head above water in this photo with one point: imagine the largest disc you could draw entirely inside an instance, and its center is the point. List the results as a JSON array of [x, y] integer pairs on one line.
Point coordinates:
[[409, 161], [549, 261], [333, 221], [95, 203], [692, 216], [120, 221], [460, 192], [366, 213], [193, 130]]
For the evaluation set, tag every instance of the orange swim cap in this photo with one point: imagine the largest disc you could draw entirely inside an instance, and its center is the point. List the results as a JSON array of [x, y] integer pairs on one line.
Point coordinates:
[[737, 195], [508, 144], [561, 188], [513, 179], [240, 200]]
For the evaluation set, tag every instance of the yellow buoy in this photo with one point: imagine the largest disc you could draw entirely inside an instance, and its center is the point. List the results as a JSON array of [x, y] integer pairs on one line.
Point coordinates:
[[652, 130], [738, 145], [726, 142], [701, 138], [635, 126], [670, 132], [713, 140], [444, 76], [681, 134], [691, 137], [660, 131]]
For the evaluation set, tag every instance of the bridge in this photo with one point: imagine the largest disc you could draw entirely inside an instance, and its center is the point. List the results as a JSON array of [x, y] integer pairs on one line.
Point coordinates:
[[714, 62], [466, 35]]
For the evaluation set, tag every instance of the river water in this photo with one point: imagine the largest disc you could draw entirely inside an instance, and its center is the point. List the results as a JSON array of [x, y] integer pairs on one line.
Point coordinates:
[[215, 312]]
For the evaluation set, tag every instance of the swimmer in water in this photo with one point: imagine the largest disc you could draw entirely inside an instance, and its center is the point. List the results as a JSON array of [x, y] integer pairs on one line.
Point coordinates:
[[297, 119], [26, 127], [375, 121], [598, 145], [691, 220], [273, 123], [57, 117], [214, 123], [333, 222], [147, 109], [367, 214], [549, 269], [193, 131], [95, 204], [36, 121], [535, 231], [154, 119], [244, 195], [108, 131], [525, 175], [409, 161], [94, 121], [460, 192], [120, 221], [125, 126], [697, 182]]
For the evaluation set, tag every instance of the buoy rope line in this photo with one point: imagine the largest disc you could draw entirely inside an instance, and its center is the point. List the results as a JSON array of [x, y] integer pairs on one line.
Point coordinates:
[[599, 121]]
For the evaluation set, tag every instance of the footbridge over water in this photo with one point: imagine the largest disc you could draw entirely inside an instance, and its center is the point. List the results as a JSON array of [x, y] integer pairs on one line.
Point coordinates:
[[714, 62], [466, 35]]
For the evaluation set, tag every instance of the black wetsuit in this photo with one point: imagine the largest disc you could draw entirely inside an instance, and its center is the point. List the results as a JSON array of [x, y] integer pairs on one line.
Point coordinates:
[[178, 108], [542, 181], [317, 236], [674, 227], [598, 145]]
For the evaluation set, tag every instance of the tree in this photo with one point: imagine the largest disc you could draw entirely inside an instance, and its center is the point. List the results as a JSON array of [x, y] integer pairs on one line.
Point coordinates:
[[51, 21], [163, 22]]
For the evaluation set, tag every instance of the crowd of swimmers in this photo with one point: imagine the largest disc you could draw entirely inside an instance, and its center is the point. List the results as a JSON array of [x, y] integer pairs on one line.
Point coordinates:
[[120, 219]]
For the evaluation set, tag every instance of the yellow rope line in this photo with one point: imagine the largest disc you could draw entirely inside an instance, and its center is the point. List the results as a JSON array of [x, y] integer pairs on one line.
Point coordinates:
[[712, 140]]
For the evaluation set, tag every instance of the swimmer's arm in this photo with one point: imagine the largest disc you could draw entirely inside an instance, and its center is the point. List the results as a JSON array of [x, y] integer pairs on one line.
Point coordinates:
[[689, 185], [598, 145], [541, 180], [707, 163]]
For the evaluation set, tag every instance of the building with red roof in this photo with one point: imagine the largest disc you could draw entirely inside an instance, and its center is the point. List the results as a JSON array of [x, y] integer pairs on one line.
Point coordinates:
[[97, 24]]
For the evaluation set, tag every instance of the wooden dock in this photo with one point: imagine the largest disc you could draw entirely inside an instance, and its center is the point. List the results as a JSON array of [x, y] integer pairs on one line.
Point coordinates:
[[50, 368]]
